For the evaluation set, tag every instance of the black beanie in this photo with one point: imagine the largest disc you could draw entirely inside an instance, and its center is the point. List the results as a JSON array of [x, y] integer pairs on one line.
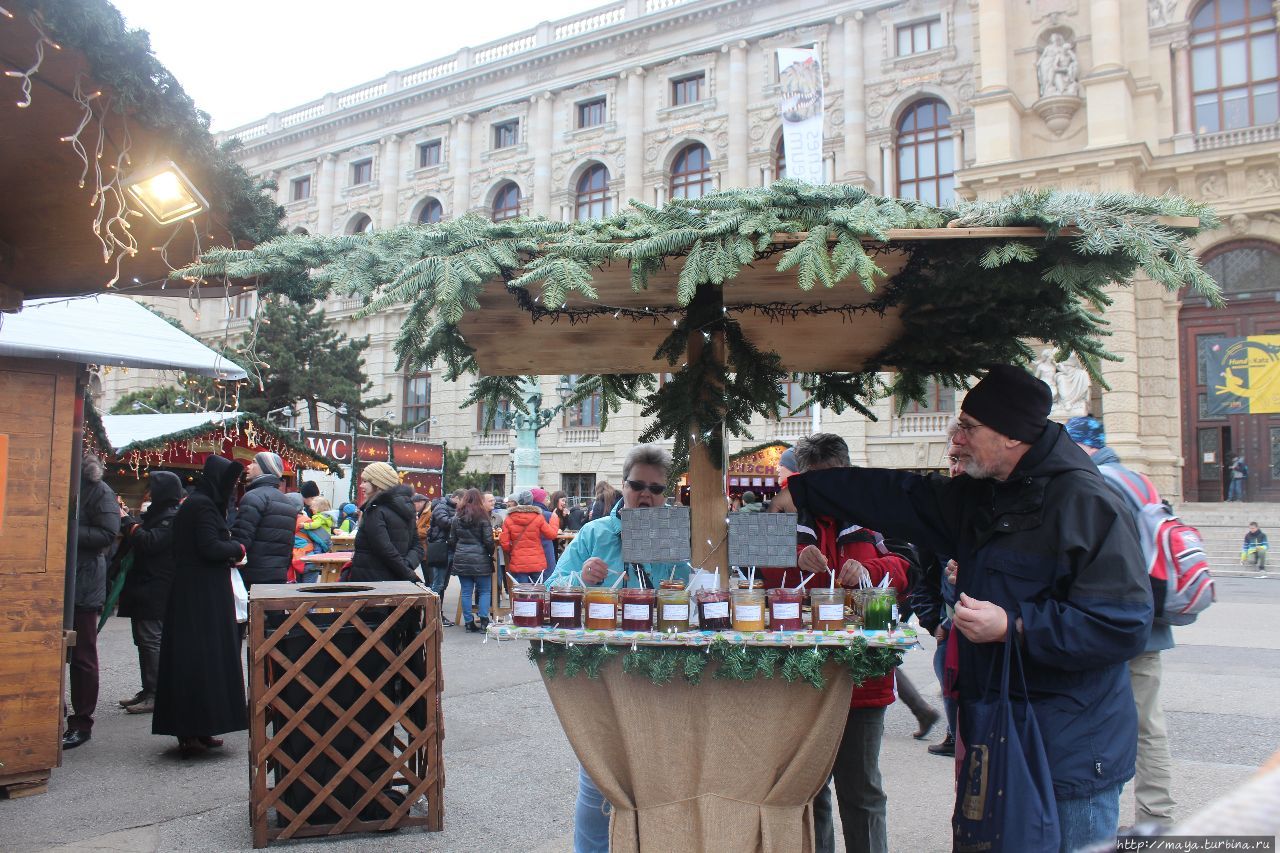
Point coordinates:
[[310, 489], [1011, 401]]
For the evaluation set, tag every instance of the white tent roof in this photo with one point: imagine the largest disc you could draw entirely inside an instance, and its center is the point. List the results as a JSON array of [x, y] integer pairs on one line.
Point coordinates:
[[107, 329], [123, 430]]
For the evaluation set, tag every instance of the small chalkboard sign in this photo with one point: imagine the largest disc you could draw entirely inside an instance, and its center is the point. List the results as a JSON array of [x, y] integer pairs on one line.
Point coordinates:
[[659, 534], [762, 539]]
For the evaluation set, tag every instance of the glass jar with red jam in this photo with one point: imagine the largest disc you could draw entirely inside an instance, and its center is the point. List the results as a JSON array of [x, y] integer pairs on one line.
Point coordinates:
[[784, 609], [565, 607], [637, 609], [528, 605], [713, 610]]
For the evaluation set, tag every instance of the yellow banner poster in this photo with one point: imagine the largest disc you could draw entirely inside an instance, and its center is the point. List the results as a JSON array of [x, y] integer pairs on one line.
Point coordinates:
[[1243, 374]]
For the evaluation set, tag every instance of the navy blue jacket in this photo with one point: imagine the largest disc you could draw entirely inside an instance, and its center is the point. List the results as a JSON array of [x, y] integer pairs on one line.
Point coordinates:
[[1053, 545]]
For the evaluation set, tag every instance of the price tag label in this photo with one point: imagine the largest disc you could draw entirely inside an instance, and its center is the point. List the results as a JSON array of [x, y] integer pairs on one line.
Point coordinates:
[[748, 612], [675, 612], [530, 608], [562, 609], [600, 611], [830, 612], [786, 610], [715, 610], [635, 611]]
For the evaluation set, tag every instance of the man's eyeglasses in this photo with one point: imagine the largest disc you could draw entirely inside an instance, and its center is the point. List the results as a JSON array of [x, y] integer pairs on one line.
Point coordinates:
[[959, 426], [640, 486]]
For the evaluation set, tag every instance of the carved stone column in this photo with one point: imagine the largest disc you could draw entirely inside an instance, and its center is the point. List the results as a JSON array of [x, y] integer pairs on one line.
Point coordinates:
[[390, 181], [325, 194], [460, 167], [738, 128], [542, 138], [855, 103], [1183, 129], [633, 177], [1106, 34], [993, 42], [997, 116]]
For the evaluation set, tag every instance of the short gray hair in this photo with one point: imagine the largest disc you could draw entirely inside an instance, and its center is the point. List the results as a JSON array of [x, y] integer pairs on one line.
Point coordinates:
[[646, 454], [821, 448]]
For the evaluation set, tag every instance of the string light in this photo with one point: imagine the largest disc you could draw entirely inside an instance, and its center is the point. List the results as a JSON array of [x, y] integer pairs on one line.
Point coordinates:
[[26, 76]]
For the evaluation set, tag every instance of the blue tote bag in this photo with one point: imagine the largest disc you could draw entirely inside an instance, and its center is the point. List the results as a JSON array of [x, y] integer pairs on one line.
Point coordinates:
[[1004, 797]]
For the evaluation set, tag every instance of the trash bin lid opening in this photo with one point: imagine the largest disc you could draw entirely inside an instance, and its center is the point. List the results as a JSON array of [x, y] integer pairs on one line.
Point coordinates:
[[335, 587]]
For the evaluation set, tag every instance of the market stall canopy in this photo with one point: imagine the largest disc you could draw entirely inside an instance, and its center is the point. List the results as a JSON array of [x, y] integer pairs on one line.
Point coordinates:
[[108, 329], [83, 103], [144, 430]]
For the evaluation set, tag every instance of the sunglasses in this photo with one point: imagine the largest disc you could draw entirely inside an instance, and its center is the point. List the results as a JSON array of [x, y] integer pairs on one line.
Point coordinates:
[[640, 486]]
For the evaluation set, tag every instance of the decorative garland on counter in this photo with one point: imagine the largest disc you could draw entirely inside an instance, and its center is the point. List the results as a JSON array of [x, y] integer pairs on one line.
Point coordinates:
[[732, 662]]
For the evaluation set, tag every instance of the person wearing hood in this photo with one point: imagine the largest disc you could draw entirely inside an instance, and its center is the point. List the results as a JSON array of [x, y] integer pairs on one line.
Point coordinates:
[[266, 523], [146, 587], [97, 525], [200, 685], [1045, 549], [387, 544], [522, 536], [1152, 782]]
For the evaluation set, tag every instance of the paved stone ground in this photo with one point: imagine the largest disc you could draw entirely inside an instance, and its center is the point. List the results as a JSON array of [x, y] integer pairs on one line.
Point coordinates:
[[511, 774]]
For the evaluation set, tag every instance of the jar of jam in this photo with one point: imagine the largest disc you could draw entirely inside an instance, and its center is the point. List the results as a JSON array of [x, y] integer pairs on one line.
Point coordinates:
[[565, 610], [673, 608], [880, 612], [528, 605], [637, 609], [713, 610], [748, 610], [784, 609], [602, 608], [828, 609]]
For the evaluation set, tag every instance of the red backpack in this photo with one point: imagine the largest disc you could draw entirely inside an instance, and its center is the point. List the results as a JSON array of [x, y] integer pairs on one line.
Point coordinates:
[[1179, 568]]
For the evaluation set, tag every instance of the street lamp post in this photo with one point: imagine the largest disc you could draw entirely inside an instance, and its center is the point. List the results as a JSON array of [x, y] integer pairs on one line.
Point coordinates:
[[527, 458]]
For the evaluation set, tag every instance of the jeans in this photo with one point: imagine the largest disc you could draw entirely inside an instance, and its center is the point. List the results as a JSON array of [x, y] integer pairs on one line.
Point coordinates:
[[590, 817], [1086, 821], [309, 576], [948, 704], [1153, 801], [470, 585], [859, 792], [84, 670], [440, 579], [146, 636], [1235, 489], [527, 577]]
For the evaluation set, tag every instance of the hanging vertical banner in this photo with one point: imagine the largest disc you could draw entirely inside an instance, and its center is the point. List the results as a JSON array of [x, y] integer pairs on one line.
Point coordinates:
[[1243, 375], [800, 78]]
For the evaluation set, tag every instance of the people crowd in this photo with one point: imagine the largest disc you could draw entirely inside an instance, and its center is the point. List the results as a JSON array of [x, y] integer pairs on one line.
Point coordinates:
[[1023, 544]]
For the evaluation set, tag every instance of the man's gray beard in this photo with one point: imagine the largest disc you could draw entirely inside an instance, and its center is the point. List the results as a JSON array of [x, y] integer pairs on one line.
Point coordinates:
[[977, 471]]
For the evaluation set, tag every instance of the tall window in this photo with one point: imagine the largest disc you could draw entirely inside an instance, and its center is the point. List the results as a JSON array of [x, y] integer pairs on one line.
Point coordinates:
[[578, 485], [482, 415], [925, 153], [416, 414], [582, 415], [506, 203], [431, 212], [792, 397], [300, 188], [938, 400], [687, 90], [361, 172], [919, 37], [506, 134], [429, 154], [360, 224], [593, 193], [591, 113], [691, 172], [243, 304], [1233, 65], [779, 160], [1245, 268]]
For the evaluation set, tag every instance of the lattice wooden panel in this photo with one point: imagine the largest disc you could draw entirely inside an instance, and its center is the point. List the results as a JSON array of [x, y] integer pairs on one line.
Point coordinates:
[[346, 730]]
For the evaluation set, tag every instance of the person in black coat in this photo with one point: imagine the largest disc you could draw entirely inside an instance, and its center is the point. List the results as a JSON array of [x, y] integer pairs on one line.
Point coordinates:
[[97, 525], [265, 523], [387, 546], [200, 689], [146, 587], [471, 540]]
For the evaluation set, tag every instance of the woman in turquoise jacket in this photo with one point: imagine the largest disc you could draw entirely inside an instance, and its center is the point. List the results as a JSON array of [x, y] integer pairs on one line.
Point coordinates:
[[596, 555]]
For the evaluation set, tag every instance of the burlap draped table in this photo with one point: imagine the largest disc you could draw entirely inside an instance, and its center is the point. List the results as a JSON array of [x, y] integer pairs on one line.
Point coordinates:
[[729, 766]]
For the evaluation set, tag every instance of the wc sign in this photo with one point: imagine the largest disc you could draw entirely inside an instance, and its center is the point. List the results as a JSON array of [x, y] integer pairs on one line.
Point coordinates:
[[334, 446]]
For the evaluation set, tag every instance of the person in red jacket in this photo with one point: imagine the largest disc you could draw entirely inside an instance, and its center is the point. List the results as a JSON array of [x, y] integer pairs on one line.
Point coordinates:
[[523, 532], [838, 545]]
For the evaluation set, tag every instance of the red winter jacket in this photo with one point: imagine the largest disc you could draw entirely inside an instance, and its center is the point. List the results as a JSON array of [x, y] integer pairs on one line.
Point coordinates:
[[838, 544]]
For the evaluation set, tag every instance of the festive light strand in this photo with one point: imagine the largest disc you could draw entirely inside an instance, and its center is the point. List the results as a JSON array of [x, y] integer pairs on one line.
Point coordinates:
[[25, 76]]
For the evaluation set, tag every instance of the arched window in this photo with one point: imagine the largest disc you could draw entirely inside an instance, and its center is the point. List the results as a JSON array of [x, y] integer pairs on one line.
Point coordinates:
[[779, 161], [593, 194], [506, 202], [360, 224], [691, 172], [1234, 65], [1245, 268], [925, 153], [432, 211]]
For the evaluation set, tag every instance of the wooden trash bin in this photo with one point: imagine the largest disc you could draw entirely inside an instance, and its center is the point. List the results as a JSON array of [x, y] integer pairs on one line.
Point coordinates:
[[345, 729]]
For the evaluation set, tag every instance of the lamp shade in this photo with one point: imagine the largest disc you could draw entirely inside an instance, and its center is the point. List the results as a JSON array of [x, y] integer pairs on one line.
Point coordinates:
[[165, 193]]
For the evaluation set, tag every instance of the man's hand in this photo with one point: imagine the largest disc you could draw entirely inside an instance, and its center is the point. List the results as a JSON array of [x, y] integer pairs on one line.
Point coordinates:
[[952, 570], [981, 621], [812, 561], [595, 570], [852, 573]]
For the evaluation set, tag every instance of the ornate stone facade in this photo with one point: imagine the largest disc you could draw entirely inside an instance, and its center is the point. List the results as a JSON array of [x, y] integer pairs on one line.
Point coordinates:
[[1087, 94]]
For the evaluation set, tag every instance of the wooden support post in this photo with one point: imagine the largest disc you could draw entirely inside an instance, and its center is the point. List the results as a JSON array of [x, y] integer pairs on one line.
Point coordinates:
[[706, 473]]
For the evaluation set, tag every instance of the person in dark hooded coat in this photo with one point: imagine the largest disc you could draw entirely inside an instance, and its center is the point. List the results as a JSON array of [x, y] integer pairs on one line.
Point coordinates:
[[387, 546], [146, 587], [200, 690]]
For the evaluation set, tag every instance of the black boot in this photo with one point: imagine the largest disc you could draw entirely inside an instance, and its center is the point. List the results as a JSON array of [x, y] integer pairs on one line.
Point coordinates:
[[473, 628]]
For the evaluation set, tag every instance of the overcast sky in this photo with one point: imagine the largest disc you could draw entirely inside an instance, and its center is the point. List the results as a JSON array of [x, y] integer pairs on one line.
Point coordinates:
[[240, 60]]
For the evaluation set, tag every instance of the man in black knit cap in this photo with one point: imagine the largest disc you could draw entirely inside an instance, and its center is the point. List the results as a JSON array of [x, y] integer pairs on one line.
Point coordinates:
[[1044, 547]]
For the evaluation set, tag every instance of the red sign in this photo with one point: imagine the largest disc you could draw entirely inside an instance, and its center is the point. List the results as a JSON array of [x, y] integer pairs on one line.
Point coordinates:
[[417, 454], [372, 448], [423, 482], [335, 446]]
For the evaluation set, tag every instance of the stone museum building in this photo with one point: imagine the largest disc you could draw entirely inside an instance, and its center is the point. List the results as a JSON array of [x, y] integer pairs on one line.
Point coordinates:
[[929, 99]]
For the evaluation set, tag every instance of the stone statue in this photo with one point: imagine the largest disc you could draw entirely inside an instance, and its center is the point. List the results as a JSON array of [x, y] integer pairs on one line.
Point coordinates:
[[1057, 69], [1046, 369], [1072, 385], [1160, 12]]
